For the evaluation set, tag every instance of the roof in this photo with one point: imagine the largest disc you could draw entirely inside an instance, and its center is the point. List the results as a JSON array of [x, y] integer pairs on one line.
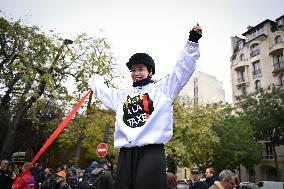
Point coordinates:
[[279, 17], [254, 27]]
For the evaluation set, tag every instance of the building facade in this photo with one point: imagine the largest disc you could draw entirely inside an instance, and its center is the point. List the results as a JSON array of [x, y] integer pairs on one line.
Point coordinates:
[[257, 64], [204, 89]]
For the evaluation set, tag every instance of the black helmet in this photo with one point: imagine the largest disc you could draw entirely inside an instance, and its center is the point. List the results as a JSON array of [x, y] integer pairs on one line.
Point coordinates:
[[141, 58]]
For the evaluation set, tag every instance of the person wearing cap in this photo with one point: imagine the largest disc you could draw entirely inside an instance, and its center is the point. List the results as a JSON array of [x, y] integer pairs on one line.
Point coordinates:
[[72, 177], [144, 115], [195, 182], [61, 180]]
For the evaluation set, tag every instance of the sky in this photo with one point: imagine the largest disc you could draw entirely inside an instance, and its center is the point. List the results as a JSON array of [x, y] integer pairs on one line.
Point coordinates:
[[157, 27]]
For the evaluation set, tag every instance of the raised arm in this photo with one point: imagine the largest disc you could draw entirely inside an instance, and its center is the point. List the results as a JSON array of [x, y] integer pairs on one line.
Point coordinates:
[[184, 67]]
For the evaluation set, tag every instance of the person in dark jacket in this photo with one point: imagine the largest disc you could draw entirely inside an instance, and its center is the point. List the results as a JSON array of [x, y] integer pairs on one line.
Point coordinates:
[[210, 177], [50, 179], [72, 177], [195, 182], [106, 179], [5, 176], [38, 174], [87, 175]]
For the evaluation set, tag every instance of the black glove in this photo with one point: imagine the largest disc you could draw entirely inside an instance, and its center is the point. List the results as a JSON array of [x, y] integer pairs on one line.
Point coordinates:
[[194, 36]]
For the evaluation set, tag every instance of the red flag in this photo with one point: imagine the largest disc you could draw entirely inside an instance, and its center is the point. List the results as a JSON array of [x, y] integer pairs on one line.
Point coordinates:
[[61, 126]]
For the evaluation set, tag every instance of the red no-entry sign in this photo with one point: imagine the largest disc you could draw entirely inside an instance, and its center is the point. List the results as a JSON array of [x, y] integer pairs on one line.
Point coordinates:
[[102, 149]]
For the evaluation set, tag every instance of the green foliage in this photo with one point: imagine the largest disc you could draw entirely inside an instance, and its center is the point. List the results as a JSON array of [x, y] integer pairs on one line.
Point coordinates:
[[206, 136], [35, 70], [194, 140], [237, 144], [90, 128], [266, 113]]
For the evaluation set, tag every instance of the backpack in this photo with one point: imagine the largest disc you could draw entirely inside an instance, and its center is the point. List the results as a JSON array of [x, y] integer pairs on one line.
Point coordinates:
[[72, 182], [92, 183]]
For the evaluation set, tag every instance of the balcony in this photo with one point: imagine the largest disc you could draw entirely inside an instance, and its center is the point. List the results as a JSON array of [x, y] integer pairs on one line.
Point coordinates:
[[280, 86], [261, 36], [265, 155], [278, 66], [254, 53], [256, 73], [276, 47], [241, 82]]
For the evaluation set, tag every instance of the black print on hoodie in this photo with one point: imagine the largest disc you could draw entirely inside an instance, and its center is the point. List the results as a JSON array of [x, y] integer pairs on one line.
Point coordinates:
[[137, 110]]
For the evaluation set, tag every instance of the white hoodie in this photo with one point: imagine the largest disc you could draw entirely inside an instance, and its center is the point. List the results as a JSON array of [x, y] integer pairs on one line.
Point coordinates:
[[144, 114]]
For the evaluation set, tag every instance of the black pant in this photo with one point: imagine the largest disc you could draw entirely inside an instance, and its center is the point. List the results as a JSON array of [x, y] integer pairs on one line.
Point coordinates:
[[141, 168]]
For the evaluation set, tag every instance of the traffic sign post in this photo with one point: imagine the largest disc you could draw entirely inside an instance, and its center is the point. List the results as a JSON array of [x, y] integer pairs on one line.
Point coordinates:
[[102, 149]]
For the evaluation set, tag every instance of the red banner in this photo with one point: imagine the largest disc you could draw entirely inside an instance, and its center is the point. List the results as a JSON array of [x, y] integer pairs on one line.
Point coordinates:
[[61, 126]]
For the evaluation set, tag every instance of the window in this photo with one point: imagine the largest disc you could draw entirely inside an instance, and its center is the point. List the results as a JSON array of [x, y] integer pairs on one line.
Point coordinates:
[[268, 151], [280, 23], [282, 80], [254, 50], [241, 75], [241, 44], [279, 58], [271, 172], [278, 61], [278, 39], [256, 32], [257, 85], [242, 57], [256, 68]]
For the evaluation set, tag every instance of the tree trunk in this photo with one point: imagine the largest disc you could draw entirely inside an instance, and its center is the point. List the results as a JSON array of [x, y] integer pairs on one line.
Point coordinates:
[[22, 109], [78, 149], [9, 142]]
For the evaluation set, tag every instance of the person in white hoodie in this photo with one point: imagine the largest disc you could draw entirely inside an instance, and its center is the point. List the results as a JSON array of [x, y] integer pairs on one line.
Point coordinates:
[[144, 115]]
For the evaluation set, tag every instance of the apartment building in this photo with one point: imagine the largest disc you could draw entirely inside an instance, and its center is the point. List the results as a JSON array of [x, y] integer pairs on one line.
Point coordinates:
[[203, 88], [257, 64]]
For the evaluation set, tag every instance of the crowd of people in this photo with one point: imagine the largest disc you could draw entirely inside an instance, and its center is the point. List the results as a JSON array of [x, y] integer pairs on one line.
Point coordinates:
[[225, 180], [97, 175]]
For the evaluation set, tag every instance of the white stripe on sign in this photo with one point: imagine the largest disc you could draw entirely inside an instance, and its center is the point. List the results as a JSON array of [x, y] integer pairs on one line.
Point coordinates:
[[101, 150]]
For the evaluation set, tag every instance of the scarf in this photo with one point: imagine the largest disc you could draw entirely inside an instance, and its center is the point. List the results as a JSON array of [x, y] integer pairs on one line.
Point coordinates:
[[143, 82]]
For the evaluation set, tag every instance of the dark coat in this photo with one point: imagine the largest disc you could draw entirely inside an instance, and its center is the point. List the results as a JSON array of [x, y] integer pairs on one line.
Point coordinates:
[[62, 185], [197, 185], [210, 181], [106, 179], [5, 179]]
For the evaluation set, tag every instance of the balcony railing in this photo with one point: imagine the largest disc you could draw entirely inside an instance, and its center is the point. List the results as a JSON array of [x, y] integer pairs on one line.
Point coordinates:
[[278, 65], [267, 156], [241, 80], [254, 53], [279, 85]]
